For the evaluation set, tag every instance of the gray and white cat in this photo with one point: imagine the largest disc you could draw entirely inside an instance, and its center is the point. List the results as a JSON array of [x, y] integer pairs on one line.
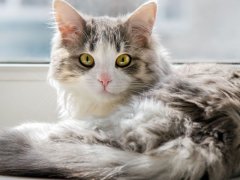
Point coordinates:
[[128, 115]]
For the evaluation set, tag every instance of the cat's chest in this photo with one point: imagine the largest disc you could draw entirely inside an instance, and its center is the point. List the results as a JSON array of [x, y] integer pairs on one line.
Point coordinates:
[[91, 109], [135, 116], [80, 106]]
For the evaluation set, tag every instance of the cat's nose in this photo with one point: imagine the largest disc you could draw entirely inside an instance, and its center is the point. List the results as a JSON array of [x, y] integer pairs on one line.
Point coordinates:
[[105, 79]]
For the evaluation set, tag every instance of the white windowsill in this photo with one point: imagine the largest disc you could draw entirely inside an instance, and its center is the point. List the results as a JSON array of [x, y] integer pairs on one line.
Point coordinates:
[[27, 72]]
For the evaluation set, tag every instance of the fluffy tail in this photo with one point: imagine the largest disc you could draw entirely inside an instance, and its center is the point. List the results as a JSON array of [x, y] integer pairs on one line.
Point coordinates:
[[177, 159]]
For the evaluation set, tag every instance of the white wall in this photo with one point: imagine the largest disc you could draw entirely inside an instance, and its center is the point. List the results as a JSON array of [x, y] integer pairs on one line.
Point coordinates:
[[25, 95]]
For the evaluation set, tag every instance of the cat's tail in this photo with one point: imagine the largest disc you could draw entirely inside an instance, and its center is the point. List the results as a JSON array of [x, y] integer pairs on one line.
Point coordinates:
[[178, 159], [19, 157]]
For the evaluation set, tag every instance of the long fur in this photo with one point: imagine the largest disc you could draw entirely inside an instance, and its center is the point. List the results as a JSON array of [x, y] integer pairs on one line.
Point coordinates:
[[190, 132], [157, 123]]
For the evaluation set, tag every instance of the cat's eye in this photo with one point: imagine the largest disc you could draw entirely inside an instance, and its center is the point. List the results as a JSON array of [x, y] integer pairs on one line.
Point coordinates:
[[86, 60], [123, 60]]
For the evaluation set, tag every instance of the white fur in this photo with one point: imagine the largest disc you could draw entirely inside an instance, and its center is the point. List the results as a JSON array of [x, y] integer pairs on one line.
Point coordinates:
[[105, 63]]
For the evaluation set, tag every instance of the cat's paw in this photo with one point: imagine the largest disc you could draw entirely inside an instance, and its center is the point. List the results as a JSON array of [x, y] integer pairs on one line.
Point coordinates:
[[140, 141]]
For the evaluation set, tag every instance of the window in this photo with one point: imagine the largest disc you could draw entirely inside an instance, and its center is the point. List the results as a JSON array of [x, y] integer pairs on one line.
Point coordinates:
[[2, 1], [36, 3], [173, 9], [193, 31]]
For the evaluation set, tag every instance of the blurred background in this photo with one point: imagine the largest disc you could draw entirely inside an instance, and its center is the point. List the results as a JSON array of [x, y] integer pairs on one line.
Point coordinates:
[[193, 31]]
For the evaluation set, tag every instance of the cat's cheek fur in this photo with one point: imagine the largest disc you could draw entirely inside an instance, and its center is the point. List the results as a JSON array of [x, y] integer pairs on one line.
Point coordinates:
[[76, 100]]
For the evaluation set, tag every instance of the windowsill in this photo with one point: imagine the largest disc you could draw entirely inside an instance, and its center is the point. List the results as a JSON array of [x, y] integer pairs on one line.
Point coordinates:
[[27, 72]]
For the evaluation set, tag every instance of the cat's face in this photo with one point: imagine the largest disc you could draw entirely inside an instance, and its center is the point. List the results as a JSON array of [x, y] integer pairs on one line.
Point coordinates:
[[107, 58]]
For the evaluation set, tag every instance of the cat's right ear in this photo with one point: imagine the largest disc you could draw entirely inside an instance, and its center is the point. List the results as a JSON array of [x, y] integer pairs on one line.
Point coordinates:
[[69, 21]]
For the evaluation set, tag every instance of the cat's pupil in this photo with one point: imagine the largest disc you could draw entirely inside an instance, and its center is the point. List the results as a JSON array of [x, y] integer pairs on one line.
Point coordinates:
[[87, 60], [123, 60]]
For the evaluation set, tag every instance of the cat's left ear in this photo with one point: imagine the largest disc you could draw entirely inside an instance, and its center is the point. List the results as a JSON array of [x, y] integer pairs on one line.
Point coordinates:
[[142, 20], [68, 20]]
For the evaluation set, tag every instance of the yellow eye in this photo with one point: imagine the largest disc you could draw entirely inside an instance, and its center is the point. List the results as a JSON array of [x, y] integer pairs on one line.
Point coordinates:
[[123, 60], [86, 60]]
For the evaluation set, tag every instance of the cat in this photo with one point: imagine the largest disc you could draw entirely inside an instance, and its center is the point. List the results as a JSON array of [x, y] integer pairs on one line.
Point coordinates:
[[127, 113]]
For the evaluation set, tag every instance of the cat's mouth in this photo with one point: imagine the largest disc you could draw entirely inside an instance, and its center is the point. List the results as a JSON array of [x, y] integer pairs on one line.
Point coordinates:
[[106, 92]]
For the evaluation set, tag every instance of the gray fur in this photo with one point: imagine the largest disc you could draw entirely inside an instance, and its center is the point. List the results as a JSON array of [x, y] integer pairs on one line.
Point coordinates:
[[198, 136], [115, 32], [180, 124]]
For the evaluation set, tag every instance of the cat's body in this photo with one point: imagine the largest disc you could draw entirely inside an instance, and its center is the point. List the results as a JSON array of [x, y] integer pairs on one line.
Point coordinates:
[[150, 122]]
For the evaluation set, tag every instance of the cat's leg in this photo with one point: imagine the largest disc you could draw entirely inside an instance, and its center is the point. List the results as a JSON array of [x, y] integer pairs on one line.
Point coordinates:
[[149, 125], [152, 132]]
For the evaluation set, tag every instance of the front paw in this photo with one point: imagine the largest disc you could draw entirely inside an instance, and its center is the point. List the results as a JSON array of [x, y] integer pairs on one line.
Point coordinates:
[[140, 141]]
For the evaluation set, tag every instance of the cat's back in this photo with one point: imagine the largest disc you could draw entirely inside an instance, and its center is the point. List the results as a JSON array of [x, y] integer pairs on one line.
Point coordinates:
[[196, 89], [192, 71]]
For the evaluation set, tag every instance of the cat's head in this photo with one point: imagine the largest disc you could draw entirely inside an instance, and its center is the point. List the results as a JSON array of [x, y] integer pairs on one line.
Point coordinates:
[[106, 58]]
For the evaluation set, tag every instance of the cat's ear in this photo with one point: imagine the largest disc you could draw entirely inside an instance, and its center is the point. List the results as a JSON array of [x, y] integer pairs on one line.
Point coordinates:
[[142, 20], [68, 20]]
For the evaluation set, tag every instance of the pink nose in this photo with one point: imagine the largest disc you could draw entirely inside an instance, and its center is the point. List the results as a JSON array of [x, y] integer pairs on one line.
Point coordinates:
[[105, 79]]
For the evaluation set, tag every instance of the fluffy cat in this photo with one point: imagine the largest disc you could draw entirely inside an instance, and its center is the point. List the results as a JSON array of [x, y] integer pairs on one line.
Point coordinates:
[[129, 116]]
